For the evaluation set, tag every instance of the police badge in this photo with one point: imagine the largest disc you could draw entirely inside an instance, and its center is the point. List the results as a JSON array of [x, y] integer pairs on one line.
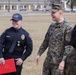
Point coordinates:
[[23, 37]]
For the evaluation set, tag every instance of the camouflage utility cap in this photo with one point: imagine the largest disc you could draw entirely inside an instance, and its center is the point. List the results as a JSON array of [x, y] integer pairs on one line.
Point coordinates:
[[56, 7]]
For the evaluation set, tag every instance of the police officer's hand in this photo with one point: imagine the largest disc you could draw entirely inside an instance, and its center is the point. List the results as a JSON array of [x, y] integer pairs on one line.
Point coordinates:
[[37, 59], [2, 61], [19, 61], [61, 66]]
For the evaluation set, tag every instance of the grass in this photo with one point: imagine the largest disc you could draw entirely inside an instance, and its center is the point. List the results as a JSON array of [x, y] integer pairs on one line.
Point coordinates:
[[37, 27]]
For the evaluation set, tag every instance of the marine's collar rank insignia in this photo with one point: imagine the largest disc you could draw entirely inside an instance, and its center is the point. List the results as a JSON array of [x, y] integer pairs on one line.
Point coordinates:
[[23, 37]]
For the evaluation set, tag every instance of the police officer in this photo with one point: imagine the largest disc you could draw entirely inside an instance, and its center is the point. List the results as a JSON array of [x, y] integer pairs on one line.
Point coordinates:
[[56, 40], [15, 43]]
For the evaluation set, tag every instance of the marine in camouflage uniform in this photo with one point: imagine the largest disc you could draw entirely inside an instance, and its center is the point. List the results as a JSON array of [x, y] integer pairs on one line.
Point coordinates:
[[56, 39]]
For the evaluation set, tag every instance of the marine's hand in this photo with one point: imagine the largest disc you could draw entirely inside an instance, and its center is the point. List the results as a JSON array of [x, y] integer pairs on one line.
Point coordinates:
[[2, 61], [37, 59], [61, 66], [19, 61]]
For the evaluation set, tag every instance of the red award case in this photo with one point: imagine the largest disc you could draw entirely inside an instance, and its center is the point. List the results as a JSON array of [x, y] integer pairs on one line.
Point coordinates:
[[8, 67]]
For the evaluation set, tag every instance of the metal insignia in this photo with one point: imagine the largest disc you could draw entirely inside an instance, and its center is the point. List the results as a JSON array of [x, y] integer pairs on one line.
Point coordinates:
[[23, 37]]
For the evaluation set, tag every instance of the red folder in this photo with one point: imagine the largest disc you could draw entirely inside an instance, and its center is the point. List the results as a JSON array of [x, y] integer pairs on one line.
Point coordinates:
[[8, 67]]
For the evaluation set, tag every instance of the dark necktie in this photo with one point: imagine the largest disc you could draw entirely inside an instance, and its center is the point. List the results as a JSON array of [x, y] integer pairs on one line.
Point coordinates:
[[14, 42]]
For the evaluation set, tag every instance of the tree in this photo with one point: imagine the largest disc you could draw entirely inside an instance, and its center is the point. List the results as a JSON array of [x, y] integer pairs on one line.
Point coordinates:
[[54, 1], [72, 3]]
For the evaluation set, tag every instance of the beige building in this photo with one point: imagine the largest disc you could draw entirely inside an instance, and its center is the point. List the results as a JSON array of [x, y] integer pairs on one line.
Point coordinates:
[[28, 4], [19, 4]]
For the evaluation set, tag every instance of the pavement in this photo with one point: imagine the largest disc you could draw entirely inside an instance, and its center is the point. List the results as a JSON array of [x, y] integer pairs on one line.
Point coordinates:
[[24, 13], [29, 13]]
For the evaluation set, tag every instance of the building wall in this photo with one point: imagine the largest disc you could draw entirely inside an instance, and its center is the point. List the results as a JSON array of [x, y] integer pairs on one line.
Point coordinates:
[[19, 4], [16, 4]]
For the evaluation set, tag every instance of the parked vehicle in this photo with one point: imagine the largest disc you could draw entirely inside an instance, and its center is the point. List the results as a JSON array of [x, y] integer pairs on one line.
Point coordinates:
[[44, 9], [74, 9], [35, 9], [69, 9], [23, 9]]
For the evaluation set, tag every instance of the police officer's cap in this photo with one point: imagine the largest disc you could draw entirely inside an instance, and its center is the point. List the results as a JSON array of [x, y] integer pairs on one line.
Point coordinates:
[[16, 17]]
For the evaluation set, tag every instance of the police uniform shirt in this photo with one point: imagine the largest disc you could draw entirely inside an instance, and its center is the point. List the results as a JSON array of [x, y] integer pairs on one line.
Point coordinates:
[[23, 42]]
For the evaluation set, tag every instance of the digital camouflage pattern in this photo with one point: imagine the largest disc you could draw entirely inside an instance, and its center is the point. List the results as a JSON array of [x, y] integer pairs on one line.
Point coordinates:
[[56, 40], [70, 64]]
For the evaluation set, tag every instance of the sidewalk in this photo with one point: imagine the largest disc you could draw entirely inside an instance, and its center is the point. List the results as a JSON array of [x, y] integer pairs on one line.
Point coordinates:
[[24, 13]]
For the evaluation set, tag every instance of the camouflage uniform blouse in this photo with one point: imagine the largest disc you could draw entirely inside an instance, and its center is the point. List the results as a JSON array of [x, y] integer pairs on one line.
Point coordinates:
[[55, 40]]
